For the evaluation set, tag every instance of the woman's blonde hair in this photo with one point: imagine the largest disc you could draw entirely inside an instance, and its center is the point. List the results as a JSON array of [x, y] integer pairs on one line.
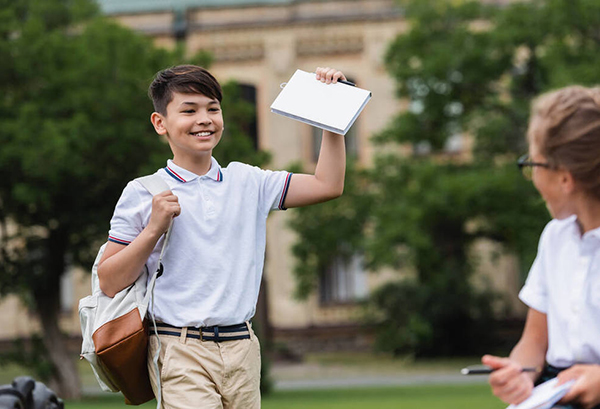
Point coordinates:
[[565, 127]]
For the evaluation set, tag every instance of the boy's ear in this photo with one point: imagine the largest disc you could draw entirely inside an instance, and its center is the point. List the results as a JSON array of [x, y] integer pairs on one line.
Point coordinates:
[[158, 121]]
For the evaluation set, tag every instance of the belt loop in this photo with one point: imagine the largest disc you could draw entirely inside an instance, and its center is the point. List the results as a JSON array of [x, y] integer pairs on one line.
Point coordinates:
[[183, 336], [201, 339], [250, 332]]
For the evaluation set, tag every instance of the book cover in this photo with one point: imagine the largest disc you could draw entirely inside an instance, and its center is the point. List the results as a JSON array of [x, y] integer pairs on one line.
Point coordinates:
[[333, 107]]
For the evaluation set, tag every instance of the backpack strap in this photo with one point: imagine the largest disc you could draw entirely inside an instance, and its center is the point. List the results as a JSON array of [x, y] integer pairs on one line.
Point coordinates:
[[155, 185]]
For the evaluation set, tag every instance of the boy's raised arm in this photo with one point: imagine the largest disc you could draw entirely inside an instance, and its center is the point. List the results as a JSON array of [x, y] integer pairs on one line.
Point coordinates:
[[328, 181]]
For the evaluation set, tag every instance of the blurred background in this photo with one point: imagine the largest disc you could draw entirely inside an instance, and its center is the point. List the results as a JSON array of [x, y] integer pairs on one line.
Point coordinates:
[[377, 298]]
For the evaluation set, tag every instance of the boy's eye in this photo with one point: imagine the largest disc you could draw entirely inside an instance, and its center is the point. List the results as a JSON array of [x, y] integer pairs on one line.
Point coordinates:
[[214, 109], [188, 111]]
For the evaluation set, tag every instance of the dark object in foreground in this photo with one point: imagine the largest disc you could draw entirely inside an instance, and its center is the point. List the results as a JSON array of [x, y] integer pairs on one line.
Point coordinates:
[[26, 393]]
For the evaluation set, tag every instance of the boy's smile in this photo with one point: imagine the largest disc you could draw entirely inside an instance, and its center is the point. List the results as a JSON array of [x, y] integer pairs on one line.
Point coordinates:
[[193, 126]]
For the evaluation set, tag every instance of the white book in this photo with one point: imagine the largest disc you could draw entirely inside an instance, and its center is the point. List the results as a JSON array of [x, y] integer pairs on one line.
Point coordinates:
[[333, 107], [544, 396]]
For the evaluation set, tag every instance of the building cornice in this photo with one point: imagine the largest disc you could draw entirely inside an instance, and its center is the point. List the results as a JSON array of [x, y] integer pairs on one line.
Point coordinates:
[[270, 14]]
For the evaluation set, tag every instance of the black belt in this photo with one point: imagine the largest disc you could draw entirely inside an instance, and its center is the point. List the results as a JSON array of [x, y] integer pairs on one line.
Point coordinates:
[[214, 333], [548, 373]]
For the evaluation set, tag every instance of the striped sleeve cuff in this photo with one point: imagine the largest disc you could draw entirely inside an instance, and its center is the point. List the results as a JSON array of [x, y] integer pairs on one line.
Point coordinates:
[[286, 187], [118, 241]]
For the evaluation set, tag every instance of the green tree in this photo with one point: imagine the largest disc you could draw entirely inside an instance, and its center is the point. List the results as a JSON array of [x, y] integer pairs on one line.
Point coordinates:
[[468, 69], [432, 213], [72, 107], [74, 115], [318, 242]]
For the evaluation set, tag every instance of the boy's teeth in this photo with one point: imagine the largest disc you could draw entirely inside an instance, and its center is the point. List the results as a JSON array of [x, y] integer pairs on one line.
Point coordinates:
[[202, 133]]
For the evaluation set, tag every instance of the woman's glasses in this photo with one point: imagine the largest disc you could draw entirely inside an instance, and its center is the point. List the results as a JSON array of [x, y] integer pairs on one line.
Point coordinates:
[[526, 166]]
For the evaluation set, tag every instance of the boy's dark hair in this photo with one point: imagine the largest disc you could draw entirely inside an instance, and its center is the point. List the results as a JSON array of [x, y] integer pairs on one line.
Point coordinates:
[[186, 79]]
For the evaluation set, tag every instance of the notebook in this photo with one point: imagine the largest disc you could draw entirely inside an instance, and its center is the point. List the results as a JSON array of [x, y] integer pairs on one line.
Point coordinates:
[[544, 396], [333, 107]]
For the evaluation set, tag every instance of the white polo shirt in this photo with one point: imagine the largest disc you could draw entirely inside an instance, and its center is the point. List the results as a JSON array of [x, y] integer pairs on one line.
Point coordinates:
[[214, 260], [564, 283]]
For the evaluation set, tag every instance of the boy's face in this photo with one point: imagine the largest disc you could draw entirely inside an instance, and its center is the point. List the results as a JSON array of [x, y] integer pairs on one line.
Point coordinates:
[[193, 124]]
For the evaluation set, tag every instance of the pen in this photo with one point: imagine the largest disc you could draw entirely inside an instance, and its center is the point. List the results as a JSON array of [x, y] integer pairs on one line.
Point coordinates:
[[347, 83], [485, 370]]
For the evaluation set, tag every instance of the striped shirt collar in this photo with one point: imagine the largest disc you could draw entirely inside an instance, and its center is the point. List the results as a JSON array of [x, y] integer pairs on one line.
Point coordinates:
[[182, 175]]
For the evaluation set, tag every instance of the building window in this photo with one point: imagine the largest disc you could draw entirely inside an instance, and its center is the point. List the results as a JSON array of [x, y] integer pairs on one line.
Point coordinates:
[[351, 140], [180, 23], [250, 128], [344, 281]]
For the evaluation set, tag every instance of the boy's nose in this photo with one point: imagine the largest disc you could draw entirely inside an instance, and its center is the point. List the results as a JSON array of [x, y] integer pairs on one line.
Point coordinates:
[[203, 118]]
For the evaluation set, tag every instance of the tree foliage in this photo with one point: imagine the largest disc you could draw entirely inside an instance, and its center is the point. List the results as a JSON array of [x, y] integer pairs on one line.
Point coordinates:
[[429, 216], [469, 71], [74, 115], [329, 230]]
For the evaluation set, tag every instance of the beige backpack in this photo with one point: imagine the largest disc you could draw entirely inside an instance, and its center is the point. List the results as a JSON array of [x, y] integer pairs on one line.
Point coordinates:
[[115, 330]]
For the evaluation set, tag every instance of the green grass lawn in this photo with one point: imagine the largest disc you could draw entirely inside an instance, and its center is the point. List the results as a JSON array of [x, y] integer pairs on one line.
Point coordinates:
[[324, 366], [405, 397]]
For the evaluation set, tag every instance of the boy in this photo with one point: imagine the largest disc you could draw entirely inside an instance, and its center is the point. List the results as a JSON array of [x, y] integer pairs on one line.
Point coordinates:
[[210, 357]]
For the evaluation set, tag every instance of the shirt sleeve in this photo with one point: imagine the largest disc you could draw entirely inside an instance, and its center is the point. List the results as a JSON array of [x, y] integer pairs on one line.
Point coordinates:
[[534, 293], [274, 188], [130, 214]]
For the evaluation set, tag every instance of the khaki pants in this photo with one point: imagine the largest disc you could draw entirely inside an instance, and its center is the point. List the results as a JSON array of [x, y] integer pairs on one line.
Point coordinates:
[[206, 374]]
